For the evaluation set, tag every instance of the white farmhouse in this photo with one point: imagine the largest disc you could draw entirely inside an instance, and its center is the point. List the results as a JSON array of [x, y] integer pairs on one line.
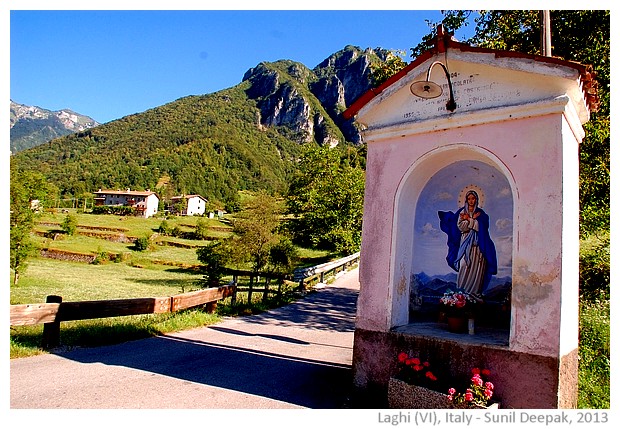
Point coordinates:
[[192, 204], [144, 202]]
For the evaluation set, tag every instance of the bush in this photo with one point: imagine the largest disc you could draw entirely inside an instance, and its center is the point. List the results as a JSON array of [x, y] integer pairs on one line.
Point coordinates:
[[69, 226], [202, 230], [164, 228], [141, 244], [594, 355], [214, 256], [594, 261], [114, 210]]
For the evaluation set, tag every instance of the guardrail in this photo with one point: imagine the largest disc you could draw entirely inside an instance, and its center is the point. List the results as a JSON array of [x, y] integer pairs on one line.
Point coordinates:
[[318, 272], [54, 311]]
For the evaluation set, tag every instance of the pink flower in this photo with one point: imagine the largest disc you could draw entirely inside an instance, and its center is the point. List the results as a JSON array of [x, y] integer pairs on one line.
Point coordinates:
[[450, 398], [488, 393], [489, 385], [477, 380], [402, 357], [452, 391], [469, 397]]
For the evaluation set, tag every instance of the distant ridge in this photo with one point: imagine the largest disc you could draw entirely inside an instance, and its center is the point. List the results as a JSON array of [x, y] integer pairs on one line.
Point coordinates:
[[32, 126]]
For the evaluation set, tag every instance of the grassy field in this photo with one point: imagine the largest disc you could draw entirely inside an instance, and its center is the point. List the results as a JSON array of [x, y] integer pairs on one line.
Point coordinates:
[[162, 270]]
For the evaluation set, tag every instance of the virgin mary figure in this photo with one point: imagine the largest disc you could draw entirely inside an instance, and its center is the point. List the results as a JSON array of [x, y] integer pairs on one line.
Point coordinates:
[[471, 252]]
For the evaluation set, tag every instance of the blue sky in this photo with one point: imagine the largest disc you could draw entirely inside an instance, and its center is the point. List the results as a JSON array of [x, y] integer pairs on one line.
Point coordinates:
[[110, 63]]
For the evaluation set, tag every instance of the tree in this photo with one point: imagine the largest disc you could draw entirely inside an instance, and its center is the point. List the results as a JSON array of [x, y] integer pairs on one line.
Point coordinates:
[[325, 199], [256, 229], [283, 255], [577, 35], [215, 256], [25, 187], [383, 70]]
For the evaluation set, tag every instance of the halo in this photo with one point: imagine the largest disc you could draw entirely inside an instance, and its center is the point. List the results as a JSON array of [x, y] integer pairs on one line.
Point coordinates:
[[471, 187]]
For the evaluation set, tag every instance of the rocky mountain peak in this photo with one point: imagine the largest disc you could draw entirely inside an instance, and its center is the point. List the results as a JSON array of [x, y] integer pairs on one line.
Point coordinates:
[[32, 125]]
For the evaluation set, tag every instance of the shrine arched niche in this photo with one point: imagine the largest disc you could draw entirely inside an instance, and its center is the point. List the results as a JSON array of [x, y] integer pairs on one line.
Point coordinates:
[[462, 240]]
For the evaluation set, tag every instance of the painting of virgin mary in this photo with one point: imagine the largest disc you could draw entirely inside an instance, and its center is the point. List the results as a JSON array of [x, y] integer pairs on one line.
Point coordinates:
[[471, 252]]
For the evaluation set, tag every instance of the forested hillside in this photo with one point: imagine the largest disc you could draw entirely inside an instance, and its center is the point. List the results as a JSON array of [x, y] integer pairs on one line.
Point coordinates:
[[208, 144]]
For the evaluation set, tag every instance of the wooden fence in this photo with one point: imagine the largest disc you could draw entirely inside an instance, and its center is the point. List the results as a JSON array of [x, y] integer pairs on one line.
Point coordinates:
[[262, 282], [55, 311]]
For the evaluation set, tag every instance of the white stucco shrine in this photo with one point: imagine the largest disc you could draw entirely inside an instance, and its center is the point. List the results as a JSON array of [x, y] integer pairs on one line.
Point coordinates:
[[513, 138]]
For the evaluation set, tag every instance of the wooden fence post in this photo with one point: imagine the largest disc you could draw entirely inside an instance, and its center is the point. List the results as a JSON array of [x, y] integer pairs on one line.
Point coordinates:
[[51, 330], [233, 299], [266, 291], [250, 290]]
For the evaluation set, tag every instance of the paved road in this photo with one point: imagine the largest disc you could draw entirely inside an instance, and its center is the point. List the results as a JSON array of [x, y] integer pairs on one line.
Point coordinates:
[[298, 356]]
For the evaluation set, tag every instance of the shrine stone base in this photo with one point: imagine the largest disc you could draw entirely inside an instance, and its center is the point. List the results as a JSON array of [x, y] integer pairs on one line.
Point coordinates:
[[522, 380]]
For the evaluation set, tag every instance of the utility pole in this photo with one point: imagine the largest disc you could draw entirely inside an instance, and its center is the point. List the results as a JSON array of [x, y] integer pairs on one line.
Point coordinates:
[[545, 33]]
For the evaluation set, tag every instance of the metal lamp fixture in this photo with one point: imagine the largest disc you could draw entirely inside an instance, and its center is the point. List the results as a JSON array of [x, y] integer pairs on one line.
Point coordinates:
[[428, 89]]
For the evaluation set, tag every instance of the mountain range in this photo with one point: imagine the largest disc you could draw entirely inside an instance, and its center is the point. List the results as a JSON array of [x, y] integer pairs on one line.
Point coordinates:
[[433, 287], [247, 137], [32, 125]]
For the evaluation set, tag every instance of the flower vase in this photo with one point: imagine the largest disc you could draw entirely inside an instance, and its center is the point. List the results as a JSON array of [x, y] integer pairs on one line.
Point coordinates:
[[457, 324]]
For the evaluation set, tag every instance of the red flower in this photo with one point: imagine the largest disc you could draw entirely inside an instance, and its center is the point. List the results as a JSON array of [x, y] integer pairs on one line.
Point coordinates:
[[431, 376], [475, 371], [477, 380], [469, 396], [486, 372], [402, 357], [426, 364], [415, 361], [418, 367]]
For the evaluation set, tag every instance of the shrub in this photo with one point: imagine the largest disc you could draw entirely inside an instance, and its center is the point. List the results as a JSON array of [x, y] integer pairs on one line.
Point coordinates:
[[114, 210], [69, 225], [141, 244], [202, 230], [594, 355], [214, 256], [594, 260], [164, 228]]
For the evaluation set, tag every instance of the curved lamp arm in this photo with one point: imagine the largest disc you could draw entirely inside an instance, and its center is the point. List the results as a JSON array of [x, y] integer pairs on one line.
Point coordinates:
[[451, 104]]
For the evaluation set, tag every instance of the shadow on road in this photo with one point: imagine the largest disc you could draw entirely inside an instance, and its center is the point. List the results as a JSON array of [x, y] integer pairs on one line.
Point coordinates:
[[286, 377]]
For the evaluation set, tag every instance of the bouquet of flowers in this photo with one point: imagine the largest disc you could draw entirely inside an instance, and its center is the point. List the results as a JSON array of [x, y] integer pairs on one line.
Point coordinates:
[[458, 303], [412, 370], [477, 395]]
